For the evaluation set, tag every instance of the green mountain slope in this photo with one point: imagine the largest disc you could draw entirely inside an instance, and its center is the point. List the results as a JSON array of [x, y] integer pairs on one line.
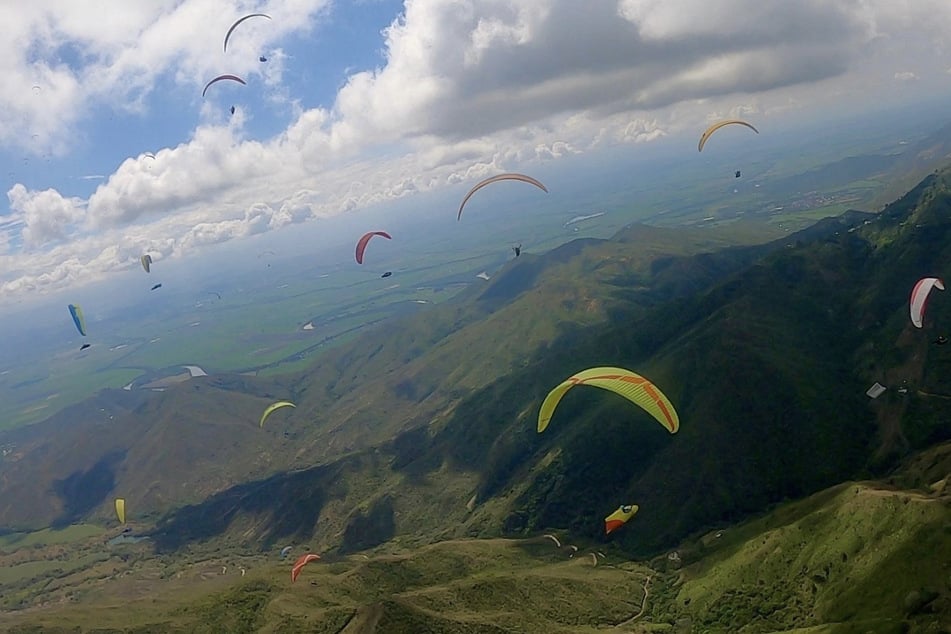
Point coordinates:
[[419, 483], [768, 369], [424, 431], [766, 351], [856, 558], [201, 436]]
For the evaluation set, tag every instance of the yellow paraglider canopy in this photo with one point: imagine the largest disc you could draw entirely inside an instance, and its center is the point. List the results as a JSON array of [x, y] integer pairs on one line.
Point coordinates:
[[120, 510], [631, 386], [619, 518], [719, 124], [511, 176], [271, 408]]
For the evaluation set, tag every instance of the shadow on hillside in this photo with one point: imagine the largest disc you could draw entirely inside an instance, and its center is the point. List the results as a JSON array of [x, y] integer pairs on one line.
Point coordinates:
[[285, 506], [82, 491], [366, 530]]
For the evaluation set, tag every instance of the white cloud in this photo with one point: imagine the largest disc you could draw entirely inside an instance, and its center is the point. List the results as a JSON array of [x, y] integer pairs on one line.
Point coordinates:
[[906, 75], [459, 69], [61, 60], [47, 215], [468, 88]]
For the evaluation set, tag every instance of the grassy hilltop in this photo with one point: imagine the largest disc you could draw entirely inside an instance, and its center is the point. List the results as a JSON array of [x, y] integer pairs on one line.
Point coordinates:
[[858, 557]]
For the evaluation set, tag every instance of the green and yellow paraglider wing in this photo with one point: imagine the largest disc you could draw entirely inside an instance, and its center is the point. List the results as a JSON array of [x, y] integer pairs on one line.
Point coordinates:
[[272, 408], [77, 314], [120, 510], [631, 386]]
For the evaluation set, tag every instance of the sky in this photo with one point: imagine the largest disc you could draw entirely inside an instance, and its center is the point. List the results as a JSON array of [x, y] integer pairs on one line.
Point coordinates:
[[362, 103]]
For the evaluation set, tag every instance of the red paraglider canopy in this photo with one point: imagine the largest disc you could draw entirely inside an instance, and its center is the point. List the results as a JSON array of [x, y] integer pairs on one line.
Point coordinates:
[[362, 243], [300, 563]]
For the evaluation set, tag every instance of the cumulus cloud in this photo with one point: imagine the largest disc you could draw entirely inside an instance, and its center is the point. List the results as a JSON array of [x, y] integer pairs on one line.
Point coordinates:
[[59, 60], [459, 69], [467, 88], [47, 215], [641, 131]]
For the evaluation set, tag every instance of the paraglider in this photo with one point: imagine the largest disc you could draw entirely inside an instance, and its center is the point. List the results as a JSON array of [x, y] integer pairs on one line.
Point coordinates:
[[222, 78], [84, 346], [737, 174], [77, 314], [494, 179], [285, 551], [149, 155], [300, 563], [364, 240], [716, 126], [120, 510], [387, 274], [240, 20], [146, 261], [156, 286], [272, 408], [919, 297], [619, 518], [518, 250], [232, 109], [941, 340], [631, 386], [875, 391], [554, 539], [262, 59]]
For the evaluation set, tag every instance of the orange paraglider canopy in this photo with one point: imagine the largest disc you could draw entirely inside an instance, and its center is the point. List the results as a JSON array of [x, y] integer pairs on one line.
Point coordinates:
[[300, 563]]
